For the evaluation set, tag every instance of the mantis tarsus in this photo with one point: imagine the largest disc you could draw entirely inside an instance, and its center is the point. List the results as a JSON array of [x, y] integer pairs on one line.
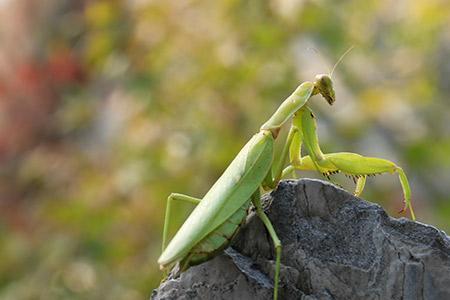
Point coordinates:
[[220, 213]]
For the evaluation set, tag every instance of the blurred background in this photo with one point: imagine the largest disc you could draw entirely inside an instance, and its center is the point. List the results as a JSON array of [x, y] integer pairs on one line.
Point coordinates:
[[108, 106]]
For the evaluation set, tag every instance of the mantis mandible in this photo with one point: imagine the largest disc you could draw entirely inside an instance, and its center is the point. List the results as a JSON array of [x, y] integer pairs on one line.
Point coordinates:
[[222, 211]]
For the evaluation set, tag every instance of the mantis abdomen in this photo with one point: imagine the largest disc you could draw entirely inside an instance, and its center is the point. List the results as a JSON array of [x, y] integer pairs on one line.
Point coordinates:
[[217, 240]]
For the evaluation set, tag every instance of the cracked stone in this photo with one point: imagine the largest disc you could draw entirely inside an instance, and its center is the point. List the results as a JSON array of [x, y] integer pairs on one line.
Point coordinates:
[[335, 246]]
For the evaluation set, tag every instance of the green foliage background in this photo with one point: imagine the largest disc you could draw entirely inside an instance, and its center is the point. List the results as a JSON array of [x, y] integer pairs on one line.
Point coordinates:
[[170, 92]]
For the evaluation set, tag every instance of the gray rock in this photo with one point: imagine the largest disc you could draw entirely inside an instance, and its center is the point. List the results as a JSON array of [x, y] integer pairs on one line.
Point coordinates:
[[335, 246]]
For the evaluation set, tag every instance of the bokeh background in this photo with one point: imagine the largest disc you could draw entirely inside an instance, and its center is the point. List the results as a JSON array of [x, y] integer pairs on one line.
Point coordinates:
[[108, 106]]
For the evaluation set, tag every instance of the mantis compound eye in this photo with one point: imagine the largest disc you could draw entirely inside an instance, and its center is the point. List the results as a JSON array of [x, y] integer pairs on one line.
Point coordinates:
[[324, 86]]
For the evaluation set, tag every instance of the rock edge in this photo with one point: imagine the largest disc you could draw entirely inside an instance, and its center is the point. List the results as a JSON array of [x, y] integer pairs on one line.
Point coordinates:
[[335, 246]]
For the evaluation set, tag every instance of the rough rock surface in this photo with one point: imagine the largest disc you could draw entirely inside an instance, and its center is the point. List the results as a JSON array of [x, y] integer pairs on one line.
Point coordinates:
[[335, 246]]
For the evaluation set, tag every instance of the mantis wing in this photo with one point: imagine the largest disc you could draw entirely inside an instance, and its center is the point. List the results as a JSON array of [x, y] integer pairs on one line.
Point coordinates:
[[232, 190]]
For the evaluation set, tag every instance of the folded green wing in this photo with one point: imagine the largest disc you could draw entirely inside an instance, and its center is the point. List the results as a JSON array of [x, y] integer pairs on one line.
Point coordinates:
[[239, 181]]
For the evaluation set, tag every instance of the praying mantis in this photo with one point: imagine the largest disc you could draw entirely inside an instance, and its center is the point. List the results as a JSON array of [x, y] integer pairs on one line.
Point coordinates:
[[218, 216]]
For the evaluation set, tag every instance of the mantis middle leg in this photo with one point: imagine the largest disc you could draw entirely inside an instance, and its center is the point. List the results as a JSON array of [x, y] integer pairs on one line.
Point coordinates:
[[178, 197]]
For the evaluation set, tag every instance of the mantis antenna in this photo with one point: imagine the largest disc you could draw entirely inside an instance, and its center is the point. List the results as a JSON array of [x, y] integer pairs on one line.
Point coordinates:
[[340, 59]]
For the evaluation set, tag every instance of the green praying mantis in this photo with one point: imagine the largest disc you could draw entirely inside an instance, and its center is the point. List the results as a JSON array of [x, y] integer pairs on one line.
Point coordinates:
[[218, 216]]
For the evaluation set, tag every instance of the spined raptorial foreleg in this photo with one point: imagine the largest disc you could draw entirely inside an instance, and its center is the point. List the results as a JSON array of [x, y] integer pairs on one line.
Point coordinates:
[[305, 133], [356, 166], [359, 167], [276, 172]]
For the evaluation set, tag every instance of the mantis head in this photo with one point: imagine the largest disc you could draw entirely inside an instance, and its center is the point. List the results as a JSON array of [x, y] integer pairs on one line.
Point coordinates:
[[324, 86]]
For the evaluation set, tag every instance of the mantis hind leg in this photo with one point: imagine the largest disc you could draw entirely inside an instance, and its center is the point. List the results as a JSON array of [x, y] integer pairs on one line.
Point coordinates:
[[256, 199], [178, 197]]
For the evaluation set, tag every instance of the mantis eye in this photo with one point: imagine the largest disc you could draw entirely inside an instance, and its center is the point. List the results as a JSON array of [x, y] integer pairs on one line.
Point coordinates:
[[324, 80]]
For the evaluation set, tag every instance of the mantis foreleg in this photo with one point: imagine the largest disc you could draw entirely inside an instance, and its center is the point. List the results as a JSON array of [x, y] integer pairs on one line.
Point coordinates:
[[291, 151], [296, 143], [178, 197], [286, 110], [275, 175], [311, 142], [256, 199], [352, 164]]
